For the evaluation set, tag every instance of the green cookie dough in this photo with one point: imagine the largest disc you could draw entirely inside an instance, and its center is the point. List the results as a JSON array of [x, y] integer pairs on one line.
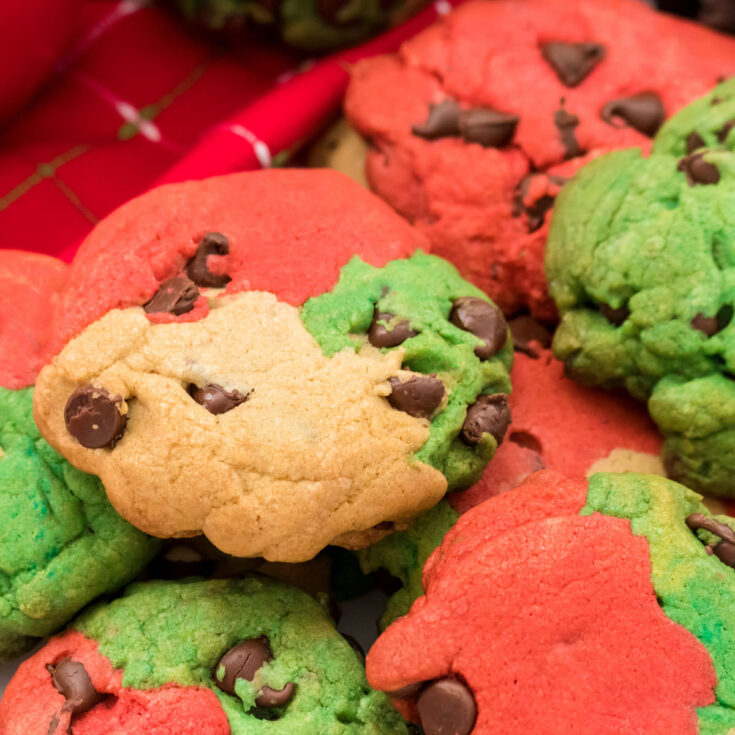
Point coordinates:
[[420, 289], [641, 263], [403, 555], [309, 25], [695, 589], [176, 632], [62, 543]]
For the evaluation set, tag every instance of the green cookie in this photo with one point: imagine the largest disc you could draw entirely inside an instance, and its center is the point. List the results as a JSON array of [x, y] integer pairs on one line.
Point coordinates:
[[62, 543], [641, 263]]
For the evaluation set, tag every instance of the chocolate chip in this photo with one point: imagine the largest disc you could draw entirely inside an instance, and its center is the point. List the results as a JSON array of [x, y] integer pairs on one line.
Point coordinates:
[[724, 131], [488, 415], [216, 399], [536, 211], [243, 661], [719, 14], [724, 550], [526, 330], [442, 121], [447, 707], [572, 62], [699, 171], [645, 112], [705, 324], [565, 123], [213, 243], [71, 679], [614, 316], [93, 417], [694, 141], [484, 321], [407, 692], [387, 331], [175, 296], [418, 396], [489, 128]]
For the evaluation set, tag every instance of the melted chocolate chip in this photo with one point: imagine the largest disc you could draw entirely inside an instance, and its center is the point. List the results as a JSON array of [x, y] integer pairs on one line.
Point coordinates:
[[213, 243], [724, 549], [175, 296], [447, 707], [565, 123], [526, 330], [488, 415], [484, 321], [243, 661], [572, 62], [614, 316], [536, 211], [724, 131], [489, 128], [216, 399], [442, 121], [694, 142], [93, 417], [699, 171], [418, 396], [71, 679], [645, 112], [387, 331]]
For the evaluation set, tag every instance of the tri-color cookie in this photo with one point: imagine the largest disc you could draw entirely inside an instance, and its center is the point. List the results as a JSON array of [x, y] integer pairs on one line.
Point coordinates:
[[198, 658], [564, 606], [309, 25], [265, 358], [641, 261], [477, 123], [556, 424], [62, 544]]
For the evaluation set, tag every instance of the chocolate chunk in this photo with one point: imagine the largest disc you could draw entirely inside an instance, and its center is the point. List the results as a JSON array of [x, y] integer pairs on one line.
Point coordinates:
[[484, 321], [243, 661], [572, 62], [387, 331], [419, 396], [699, 171], [694, 141], [724, 131], [442, 121], [489, 128], [719, 14], [213, 243], [724, 550], [645, 112], [216, 399], [447, 707], [71, 679], [565, 122], [527, 330], [705, 324], [536, 211], [175, 296], [93, 417], [615, 316], [488, 415]]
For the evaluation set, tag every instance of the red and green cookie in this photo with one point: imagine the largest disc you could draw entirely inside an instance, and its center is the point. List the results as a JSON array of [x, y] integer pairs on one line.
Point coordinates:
[[264, 357], [571, 606], [223, 657], [476, 123]]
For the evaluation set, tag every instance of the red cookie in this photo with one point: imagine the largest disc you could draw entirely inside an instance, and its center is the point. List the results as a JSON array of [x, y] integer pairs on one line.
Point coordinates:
[[477, 122]]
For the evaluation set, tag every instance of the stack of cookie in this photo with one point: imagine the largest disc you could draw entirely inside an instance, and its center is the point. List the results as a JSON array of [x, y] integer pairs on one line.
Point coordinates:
[[236, 373]]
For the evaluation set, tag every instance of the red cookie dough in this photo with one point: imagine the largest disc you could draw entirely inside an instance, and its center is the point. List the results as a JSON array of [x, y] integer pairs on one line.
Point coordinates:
[[564, 426], [168, 710], [162, 230], [486, 208], [551, 620], [29, 290]]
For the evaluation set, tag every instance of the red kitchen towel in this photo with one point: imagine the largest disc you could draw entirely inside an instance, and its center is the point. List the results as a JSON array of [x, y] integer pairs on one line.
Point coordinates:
[[136, 99]]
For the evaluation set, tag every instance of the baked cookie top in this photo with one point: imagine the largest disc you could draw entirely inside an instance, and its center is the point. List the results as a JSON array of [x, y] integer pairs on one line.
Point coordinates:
[[640, 262], [265, 358], [213, 657], [476, 123], [602, 607]]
